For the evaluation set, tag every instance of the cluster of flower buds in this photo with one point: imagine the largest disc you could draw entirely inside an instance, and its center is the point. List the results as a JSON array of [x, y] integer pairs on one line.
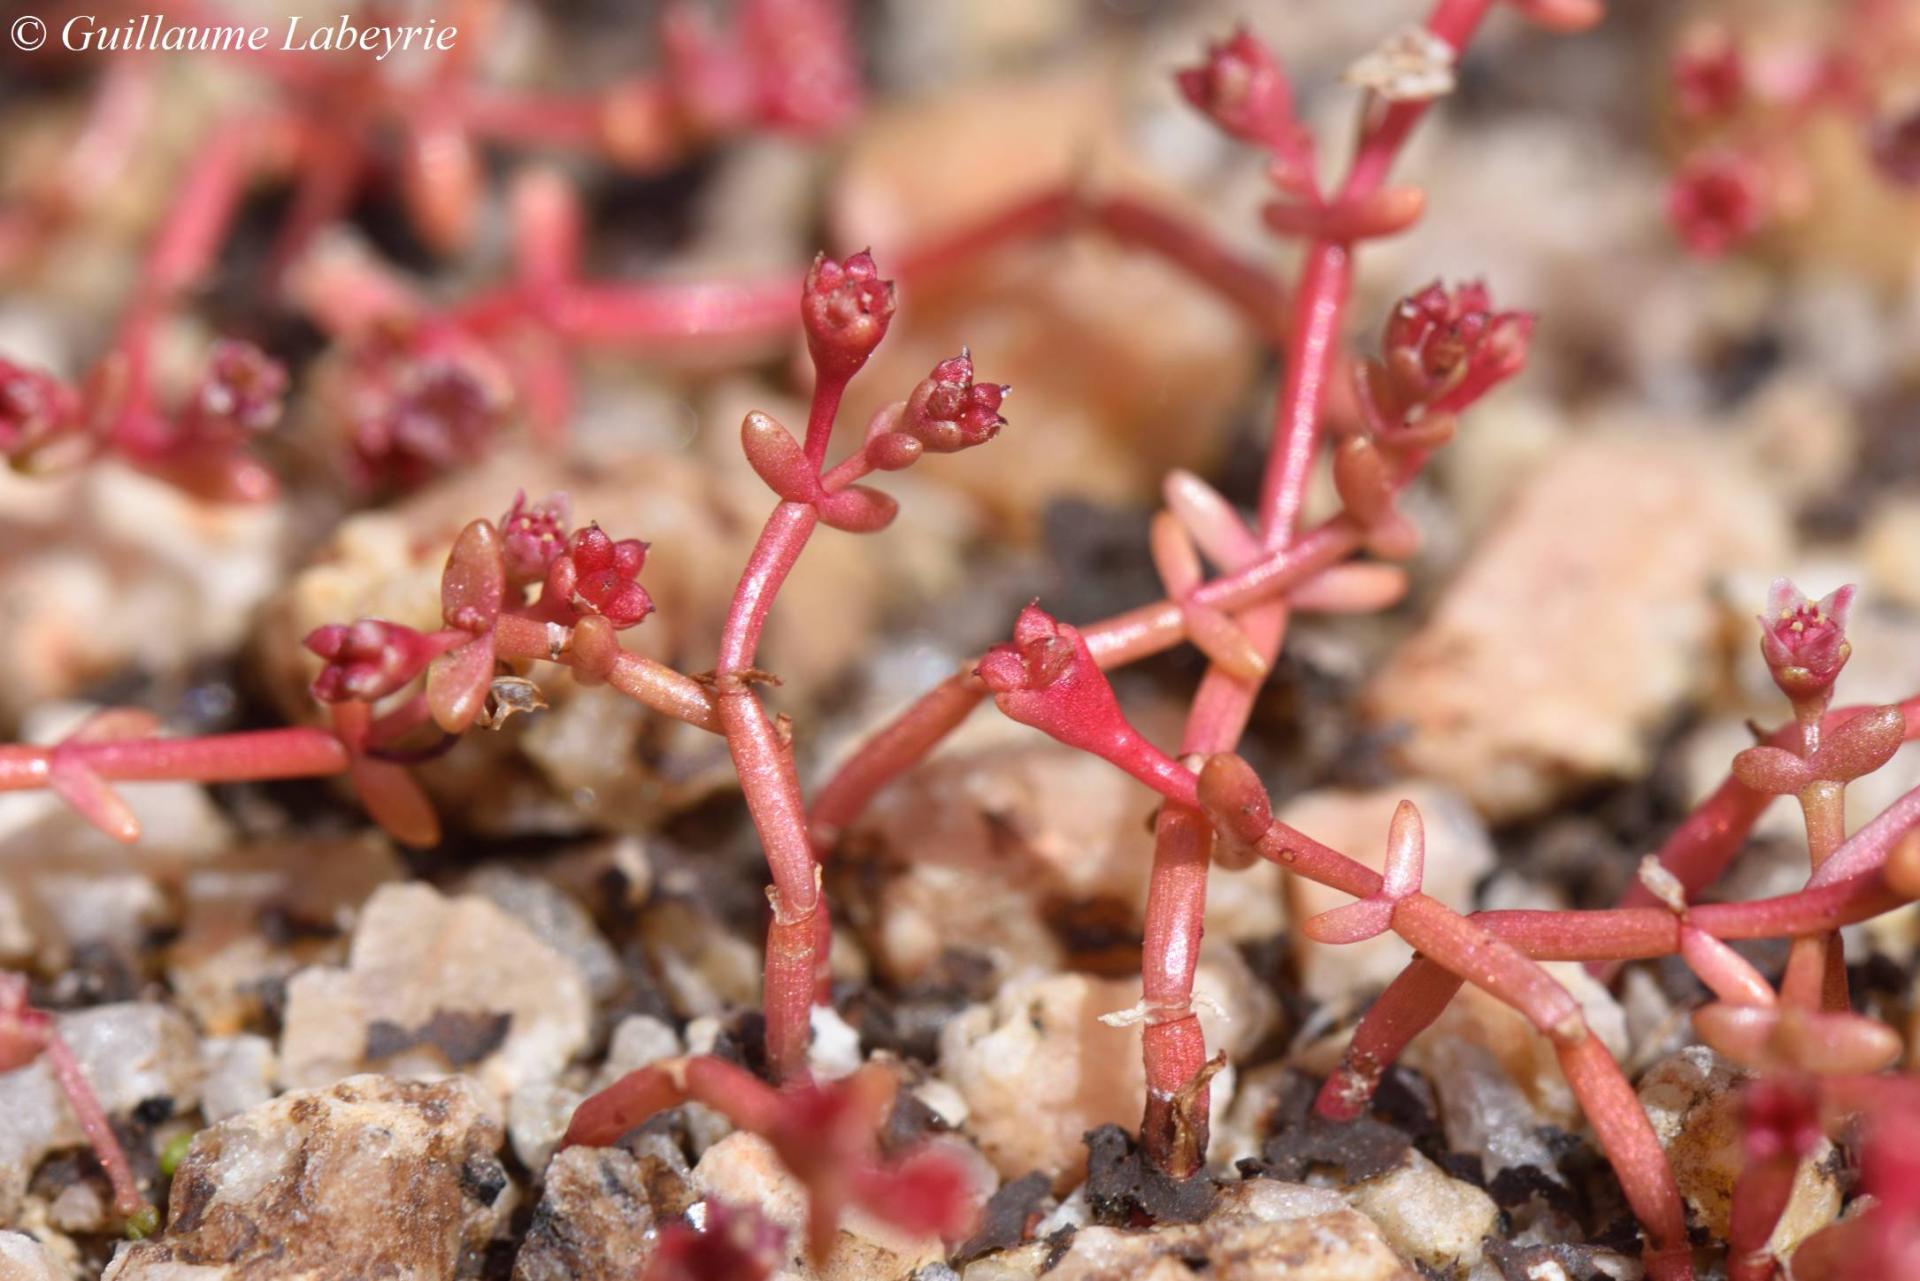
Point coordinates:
[[204, 449], [1445, 348], [845, 308], [242, 394], [418, 401], [35, 410], [1048, 678], [1718, 200], [948, 411], [1241, 87], [1442, 350], [1708, 75], [367, 660], [594, 574], [1747, 119], [200, 449]]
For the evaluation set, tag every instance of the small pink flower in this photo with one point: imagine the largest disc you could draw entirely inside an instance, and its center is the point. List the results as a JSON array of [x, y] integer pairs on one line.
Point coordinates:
[[1709, 77], [243, 389], [1447, 348], [595, 575], [1805, 641], [531, 537], [34, 408], [948, 411], [421, 403], [845, 308], [1717, 201], [367, 660]]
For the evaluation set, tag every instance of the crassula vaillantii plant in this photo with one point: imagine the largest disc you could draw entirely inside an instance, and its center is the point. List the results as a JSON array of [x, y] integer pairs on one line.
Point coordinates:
[[542, 584]]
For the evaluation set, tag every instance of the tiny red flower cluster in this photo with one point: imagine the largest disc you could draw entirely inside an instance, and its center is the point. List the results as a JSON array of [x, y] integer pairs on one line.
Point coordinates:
[[948, 411]]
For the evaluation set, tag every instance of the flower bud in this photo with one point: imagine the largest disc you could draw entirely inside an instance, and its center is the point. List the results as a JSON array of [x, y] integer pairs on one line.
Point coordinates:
[[596, 575], [948, 411], [1708, 75], [1445, 349], [34, 408], [244, 388], [1718, 200], [845, 309], [1241, 88], [366, 660]]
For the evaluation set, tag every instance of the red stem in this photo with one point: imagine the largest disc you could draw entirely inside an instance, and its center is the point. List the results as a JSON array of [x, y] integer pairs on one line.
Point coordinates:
[[217, 758], [1114, 642], [1403, 1010], [641, 315], [127, 1200]]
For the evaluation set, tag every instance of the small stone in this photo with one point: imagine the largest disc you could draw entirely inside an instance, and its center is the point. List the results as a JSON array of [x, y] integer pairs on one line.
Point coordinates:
[[705, 968], [1803, 434], [638, 1039], [1038, 1070], [559, 921], [240, 1075], [1102, 341], [434, 984], [24, 1259], [1427, 1215], [1525, 1056], [1693, 1100], [253, 917], [1481, 1108], [834, 1050], [975, 851], [1887, 543], [130, 1052], [1579, 622], [134, 575], [1459, 853], [368, 1177], [598, 1214], [1332, 1244]]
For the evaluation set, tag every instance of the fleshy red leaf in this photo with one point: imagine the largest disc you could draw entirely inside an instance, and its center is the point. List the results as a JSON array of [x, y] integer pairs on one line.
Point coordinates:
[[475, 581], [457, 684]]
